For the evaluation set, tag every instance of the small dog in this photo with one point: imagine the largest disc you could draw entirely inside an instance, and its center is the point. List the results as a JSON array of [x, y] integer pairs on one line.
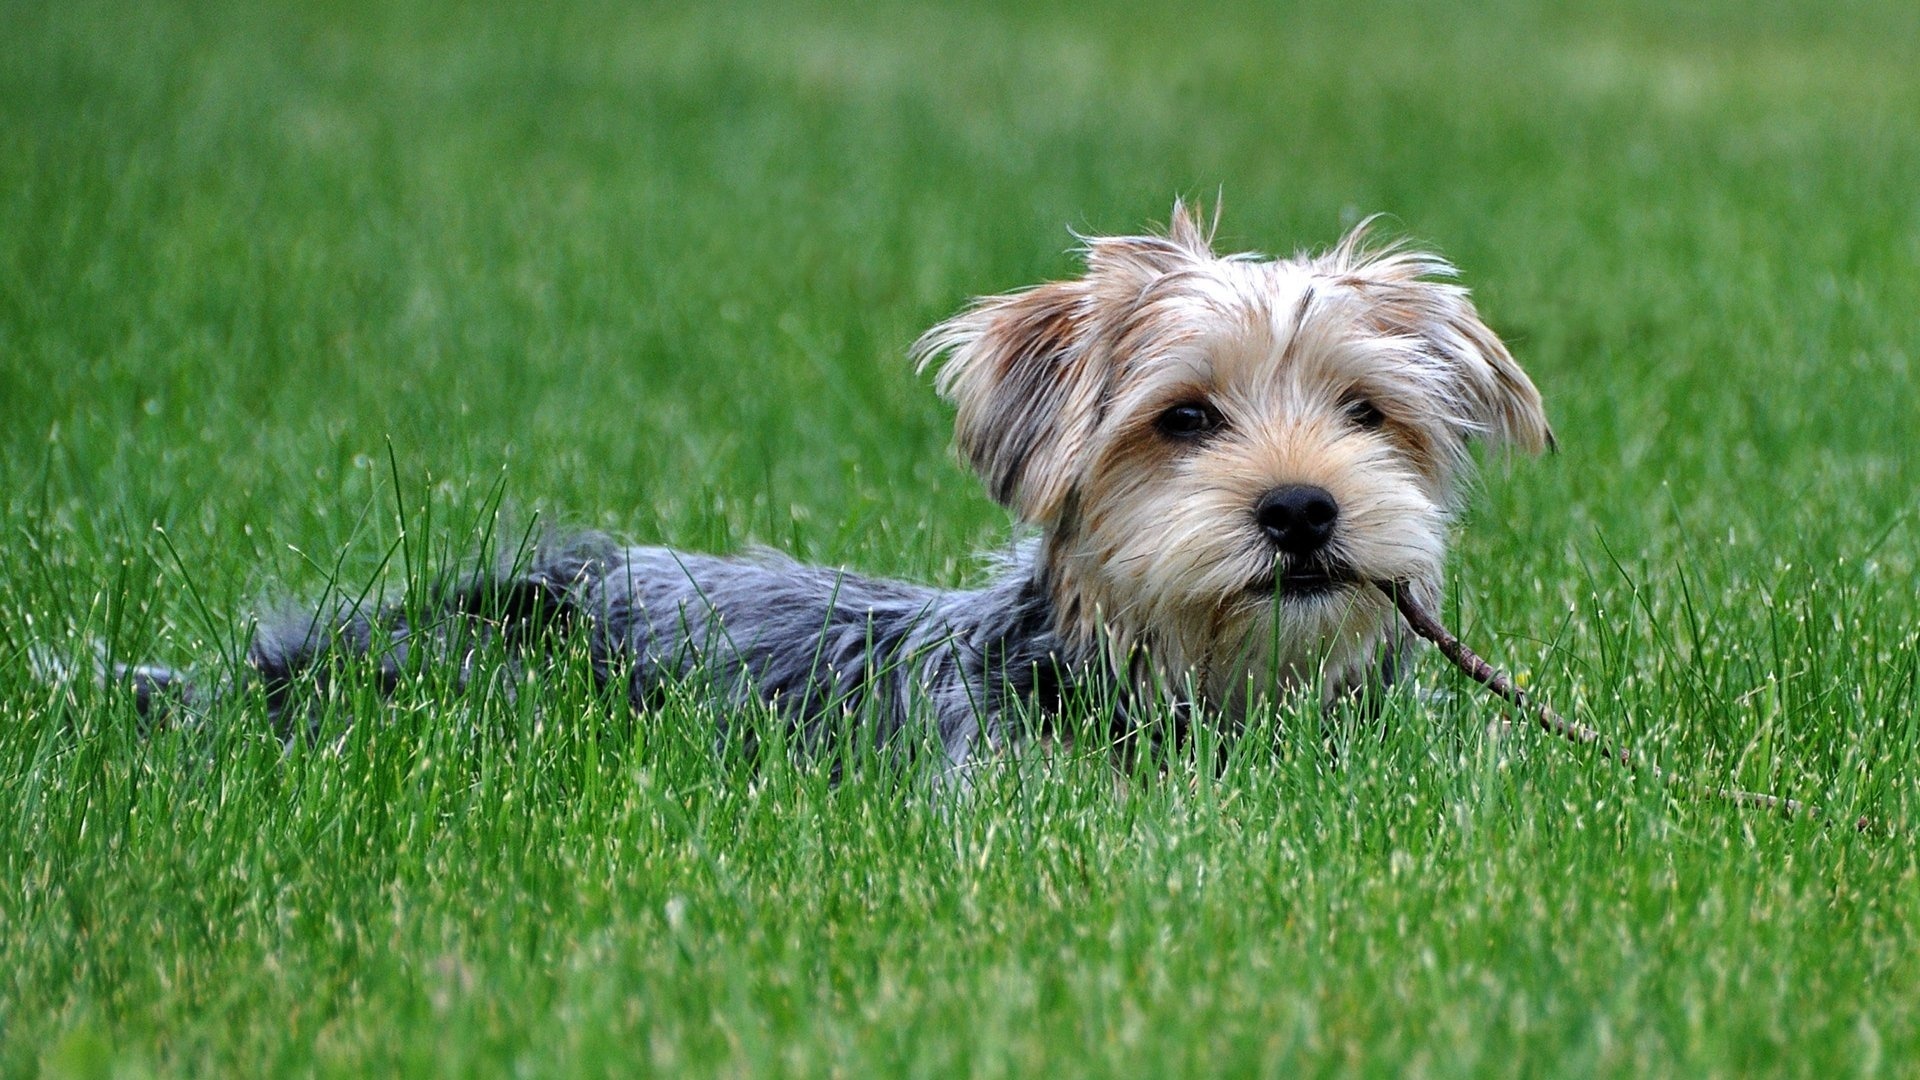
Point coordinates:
[[1219, 456]]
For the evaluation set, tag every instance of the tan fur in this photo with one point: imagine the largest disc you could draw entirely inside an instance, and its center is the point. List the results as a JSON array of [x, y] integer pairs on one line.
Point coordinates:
[[1151, 544]]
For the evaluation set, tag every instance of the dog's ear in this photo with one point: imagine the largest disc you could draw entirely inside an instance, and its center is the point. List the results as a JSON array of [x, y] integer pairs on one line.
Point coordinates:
[[1184, 228], [1118, 267], [1508, 404], [1401, 295], [1027, 371], [1021, 375]]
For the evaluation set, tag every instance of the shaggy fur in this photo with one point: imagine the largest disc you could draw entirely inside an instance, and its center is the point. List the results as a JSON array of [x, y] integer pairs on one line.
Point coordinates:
[[1217, 454]]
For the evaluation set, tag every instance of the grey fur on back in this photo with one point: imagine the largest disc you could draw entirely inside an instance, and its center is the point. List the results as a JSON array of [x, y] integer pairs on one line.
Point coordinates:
[[828, 650]]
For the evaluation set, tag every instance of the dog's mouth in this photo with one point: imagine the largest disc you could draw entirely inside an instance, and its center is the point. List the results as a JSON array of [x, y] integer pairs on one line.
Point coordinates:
[[1303, 582]]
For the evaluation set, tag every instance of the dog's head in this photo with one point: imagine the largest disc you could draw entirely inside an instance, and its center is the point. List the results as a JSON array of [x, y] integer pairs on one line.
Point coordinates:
[[1226, 449]]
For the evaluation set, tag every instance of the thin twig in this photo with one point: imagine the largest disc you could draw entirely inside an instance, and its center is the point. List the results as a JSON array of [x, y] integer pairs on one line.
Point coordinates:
[[1427, 626]]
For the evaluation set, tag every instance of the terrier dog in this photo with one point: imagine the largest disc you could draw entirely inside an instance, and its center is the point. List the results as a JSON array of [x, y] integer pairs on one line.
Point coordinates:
[[1217, 456]]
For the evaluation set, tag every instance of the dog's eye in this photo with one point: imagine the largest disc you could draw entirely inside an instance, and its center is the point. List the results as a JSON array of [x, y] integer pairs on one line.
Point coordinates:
[[1189, 420], [1365, 414]]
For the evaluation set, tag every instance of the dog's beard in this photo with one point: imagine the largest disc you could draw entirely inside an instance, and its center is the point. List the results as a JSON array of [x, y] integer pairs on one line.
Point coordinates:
[[1296, 636], [1197, 595], [1304, 580]]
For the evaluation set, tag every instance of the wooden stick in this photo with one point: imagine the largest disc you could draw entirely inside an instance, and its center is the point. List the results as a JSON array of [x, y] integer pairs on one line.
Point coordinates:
[[1423, 623]]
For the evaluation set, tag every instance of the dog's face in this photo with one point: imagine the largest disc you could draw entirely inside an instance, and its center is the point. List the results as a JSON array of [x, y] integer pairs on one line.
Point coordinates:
[[1225, 452]]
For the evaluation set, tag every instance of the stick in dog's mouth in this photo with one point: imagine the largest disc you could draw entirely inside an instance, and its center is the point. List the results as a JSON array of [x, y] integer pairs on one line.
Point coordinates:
[[1428, 626]]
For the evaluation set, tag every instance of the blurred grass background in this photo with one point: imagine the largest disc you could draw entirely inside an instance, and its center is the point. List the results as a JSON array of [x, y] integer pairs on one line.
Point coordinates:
[[655, 268]]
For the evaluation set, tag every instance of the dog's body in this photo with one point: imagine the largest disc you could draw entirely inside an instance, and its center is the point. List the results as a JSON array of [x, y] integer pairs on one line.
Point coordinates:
[[1219, 456], [823, 647]]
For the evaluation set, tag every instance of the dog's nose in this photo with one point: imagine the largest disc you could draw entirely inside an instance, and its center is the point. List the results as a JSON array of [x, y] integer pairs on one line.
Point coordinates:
[[1298, 518]]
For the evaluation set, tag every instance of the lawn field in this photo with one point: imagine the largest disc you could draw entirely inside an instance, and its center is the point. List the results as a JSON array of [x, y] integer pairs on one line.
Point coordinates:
[[339, 294]]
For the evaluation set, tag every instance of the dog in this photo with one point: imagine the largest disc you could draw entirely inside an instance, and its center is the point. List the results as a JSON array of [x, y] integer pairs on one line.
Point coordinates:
[[1215, 457]]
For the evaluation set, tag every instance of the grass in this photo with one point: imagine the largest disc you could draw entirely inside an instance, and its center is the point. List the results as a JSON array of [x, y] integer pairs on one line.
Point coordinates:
[[275, 276]]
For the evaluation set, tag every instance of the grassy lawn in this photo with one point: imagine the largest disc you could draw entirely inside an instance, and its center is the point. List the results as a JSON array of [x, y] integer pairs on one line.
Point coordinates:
[[299, 293]]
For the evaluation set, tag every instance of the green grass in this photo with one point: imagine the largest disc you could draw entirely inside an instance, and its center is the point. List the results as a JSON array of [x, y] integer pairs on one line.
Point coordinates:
[[656, 271]]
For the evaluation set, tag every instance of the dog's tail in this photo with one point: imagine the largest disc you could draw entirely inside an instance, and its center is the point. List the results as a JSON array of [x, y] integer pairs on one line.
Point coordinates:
[[296, 650], [158, 691]]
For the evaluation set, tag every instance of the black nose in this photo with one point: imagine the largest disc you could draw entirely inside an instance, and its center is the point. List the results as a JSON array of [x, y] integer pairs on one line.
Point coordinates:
[[1298, 518]]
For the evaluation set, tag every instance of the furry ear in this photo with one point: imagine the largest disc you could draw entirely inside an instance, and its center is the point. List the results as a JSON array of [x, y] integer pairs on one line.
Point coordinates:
[[1020, 373], [1398, 286], [1186, 232], [1120, 266], [1505, 399], [1027, 371]]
